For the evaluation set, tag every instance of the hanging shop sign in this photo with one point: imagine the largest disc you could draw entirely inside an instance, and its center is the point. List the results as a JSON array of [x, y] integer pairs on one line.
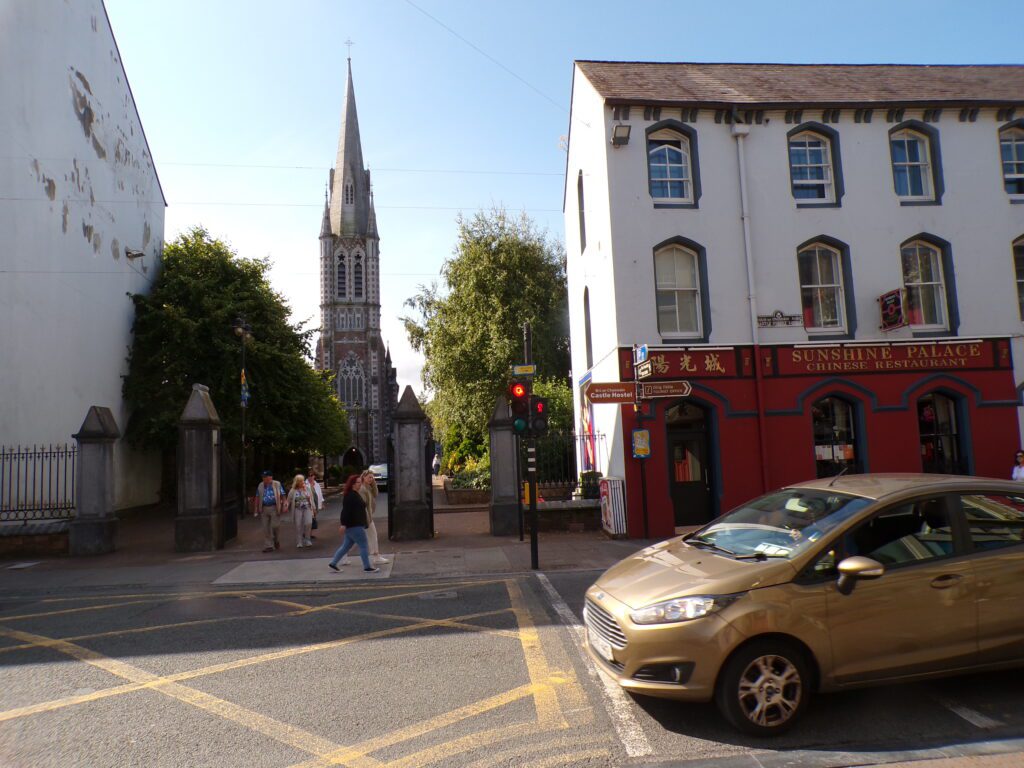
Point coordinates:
[[612, 392], [645, 369], [875, 358], [639, 354], [653, 389], [891, 307]]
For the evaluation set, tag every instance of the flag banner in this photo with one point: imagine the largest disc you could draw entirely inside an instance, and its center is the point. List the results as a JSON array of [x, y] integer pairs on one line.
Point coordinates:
[[245, 390]]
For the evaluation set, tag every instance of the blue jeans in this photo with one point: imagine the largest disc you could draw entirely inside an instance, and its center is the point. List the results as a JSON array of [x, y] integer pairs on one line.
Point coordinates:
[[354, 534]]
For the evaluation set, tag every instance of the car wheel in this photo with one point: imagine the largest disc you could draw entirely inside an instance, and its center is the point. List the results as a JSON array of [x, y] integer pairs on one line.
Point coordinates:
[[764, 687]]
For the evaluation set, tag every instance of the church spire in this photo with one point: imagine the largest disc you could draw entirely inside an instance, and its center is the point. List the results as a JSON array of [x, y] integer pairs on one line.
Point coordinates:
[[325, 225], [350, 189]]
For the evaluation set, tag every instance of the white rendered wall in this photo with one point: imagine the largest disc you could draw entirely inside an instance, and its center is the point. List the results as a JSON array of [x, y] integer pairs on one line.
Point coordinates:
[[77, 187]]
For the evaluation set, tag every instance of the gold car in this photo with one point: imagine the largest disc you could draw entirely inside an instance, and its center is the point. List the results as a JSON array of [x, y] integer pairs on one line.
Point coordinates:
[[820, 586]]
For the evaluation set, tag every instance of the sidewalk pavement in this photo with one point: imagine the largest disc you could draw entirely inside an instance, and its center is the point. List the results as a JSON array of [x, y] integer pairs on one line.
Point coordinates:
[[462, 546]]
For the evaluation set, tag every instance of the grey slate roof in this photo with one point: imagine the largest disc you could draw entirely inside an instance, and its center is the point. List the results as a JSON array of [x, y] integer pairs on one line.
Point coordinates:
[[785, 85]]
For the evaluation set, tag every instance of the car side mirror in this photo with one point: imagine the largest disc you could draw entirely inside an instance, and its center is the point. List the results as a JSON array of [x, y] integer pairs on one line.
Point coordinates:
[[853, 569]]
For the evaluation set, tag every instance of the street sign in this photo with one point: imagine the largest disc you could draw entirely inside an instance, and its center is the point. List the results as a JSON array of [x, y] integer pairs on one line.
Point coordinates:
[[524, 370], [649, 390], [612, 392], [645, 369], [639, 354]]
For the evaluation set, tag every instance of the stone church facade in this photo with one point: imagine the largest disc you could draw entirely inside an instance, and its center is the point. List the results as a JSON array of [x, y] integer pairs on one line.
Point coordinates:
[[350, 340]]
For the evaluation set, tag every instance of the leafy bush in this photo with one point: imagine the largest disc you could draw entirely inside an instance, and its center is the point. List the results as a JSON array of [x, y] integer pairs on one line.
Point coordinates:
[[347, 471], [476, 473]]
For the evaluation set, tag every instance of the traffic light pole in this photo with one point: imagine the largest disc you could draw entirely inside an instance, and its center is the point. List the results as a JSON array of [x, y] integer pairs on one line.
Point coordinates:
[[531, 461]]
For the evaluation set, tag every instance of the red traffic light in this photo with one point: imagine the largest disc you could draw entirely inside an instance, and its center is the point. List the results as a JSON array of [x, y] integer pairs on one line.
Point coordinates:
[[538, 406], [518, 389]]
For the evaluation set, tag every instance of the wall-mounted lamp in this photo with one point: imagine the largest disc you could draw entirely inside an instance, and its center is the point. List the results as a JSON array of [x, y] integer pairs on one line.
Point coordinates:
[[133, 254], [620, 134]]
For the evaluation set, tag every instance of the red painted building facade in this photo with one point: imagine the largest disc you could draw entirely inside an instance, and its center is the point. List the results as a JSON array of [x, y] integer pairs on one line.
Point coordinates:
[[813, 410]]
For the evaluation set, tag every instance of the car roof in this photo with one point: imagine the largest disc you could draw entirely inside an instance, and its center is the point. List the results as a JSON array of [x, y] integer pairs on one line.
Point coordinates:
[[881, 484]]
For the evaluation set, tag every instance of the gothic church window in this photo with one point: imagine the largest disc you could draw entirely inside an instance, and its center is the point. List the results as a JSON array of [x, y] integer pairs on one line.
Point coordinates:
[[351, 382], [350, 193], [342, 282], [357, 277]]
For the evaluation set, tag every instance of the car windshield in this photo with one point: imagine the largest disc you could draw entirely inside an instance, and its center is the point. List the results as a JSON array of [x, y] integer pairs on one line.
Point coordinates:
[[780, 524]]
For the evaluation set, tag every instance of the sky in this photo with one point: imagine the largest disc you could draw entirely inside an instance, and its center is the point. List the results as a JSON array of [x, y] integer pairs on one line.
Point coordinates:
[[463, 105]]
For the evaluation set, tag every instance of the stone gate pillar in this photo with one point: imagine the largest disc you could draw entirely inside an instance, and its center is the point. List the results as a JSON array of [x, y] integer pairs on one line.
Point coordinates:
[[199, 526], [94, 527], [504, 512], [412, 517]]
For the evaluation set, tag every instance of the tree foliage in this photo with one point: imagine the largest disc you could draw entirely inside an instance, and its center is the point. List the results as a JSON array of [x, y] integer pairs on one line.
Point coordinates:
[[183, 335], [503, 272]]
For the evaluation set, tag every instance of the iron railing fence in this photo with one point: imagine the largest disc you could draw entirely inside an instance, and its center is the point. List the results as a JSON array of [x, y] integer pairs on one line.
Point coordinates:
[[566, 463], [37, 482]]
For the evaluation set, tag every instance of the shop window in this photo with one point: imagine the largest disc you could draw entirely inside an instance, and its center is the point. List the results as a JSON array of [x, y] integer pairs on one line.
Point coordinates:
[[821, 287], [835, 437], [937, 423], [923, 279], [678, 291]]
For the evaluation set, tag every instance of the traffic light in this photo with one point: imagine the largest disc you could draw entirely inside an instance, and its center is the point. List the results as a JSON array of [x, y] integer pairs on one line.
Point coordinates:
[[519, 403], [538, 416]]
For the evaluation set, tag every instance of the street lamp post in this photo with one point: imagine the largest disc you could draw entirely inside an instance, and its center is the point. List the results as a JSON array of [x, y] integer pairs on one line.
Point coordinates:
[[244, 332]]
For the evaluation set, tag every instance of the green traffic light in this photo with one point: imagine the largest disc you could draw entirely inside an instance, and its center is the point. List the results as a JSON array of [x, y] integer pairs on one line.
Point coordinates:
[[519, 425]]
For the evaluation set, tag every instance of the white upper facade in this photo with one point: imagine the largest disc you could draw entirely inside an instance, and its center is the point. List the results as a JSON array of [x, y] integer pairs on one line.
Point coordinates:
[[82, 216], [845, 202]]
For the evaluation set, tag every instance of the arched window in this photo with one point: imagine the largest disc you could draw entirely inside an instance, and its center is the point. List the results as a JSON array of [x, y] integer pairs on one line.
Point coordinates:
[[941, 450], [342, 277], [677, 288], [586, 328], [579, 202], [668, 166], [357, 277], [821, 287], [350, 193], [925, 287], [1018, 266], [912, 170], [1011, 152], [350, 382], [810, 167], [835, 436]]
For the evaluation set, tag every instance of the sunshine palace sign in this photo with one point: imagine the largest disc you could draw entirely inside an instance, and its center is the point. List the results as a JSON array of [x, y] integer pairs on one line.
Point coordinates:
[[879, 358]]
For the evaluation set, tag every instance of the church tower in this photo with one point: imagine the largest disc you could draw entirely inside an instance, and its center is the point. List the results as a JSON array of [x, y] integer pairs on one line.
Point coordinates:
[[350, 341]]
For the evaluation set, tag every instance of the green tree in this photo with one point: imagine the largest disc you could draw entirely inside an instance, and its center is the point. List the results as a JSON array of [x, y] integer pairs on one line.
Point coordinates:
[[503, 272], [560, 405], [183, 336]]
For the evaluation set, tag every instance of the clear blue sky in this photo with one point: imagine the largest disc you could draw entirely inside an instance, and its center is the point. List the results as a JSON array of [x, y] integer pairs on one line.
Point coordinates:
[[227, 86]]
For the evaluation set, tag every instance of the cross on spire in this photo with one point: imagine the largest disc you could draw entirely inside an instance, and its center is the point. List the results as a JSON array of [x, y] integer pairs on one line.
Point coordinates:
[[349, 44]]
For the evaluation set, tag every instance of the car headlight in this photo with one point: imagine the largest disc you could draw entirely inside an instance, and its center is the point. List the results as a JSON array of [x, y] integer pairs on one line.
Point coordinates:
[[681, 609]]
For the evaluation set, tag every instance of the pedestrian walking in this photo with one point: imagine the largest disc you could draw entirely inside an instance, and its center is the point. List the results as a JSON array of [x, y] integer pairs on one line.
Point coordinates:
[[300, 502], [368, 491], [318, 499], [271, 498], [353, 525], [436, 464], [1018, 467]]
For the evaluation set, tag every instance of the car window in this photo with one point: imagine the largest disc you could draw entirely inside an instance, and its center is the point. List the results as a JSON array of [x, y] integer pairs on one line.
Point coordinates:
[[912, 532], [995, 520]]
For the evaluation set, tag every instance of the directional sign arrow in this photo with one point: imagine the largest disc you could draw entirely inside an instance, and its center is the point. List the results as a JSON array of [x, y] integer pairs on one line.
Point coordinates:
[[653, 389]]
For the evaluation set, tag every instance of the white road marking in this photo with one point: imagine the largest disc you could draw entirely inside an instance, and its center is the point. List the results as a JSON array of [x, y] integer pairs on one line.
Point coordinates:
[[627, 727], [972, 716], [19, 566]]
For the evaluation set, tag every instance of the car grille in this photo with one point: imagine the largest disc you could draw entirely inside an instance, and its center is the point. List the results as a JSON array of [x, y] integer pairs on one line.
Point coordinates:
[[603, 624]]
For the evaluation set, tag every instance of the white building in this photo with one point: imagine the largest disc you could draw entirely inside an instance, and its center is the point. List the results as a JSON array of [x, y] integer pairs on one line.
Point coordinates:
[[744, 220], [82, 214]]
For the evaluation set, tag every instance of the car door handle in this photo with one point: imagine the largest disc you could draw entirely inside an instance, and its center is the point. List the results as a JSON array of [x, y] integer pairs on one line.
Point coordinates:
[[946, 581]]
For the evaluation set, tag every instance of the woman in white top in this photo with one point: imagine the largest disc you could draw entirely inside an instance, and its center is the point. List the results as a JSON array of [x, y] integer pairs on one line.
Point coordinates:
[[368, 490], [1018, 468], [300, 501]]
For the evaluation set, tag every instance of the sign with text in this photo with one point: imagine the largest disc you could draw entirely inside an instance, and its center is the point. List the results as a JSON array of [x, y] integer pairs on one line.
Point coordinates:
[[612, 392], [891, 306], [696, 363], [524, 370], [652, 389], [641, 443], [645, 370], [873, 358]]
